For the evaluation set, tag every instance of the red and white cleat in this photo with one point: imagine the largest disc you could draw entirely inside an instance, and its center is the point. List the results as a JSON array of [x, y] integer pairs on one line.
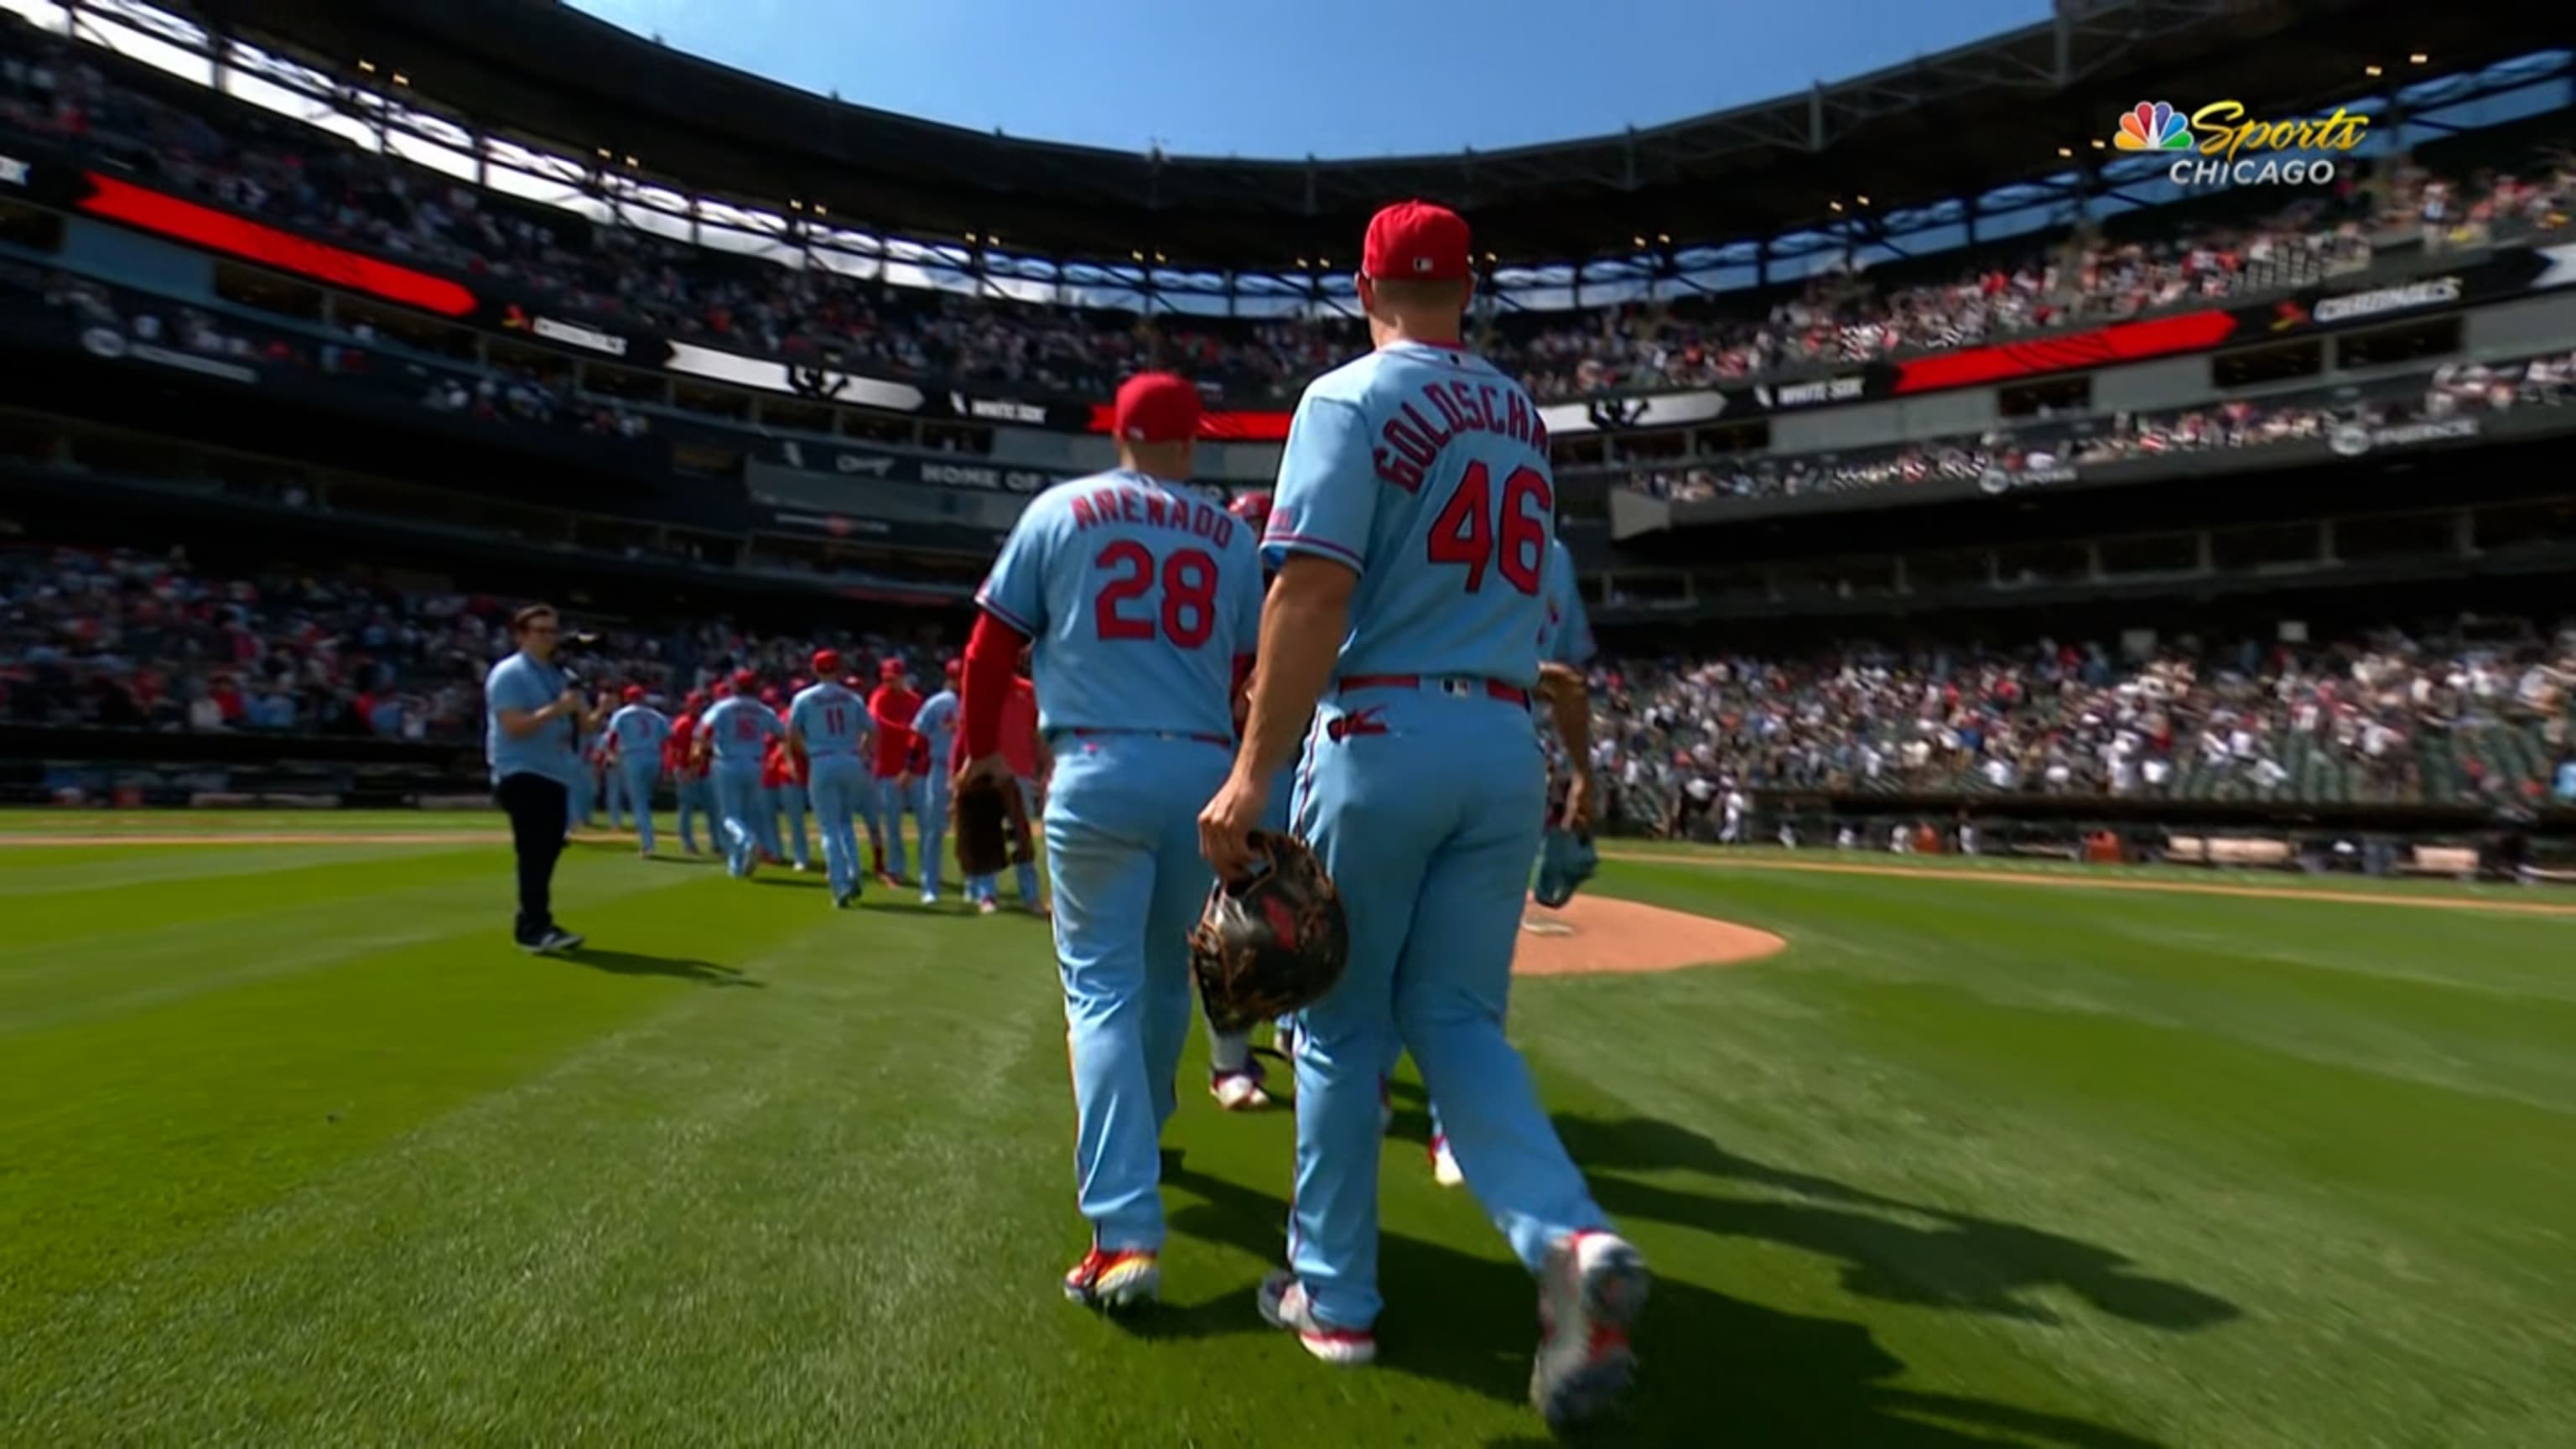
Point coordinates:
[[1284, 1305], [1589, 1292], [1444, 1163], [1239, 1091], [1114, 1278]]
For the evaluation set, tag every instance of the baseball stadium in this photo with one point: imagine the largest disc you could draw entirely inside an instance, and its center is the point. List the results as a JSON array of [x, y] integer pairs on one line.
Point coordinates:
[[997, 675]]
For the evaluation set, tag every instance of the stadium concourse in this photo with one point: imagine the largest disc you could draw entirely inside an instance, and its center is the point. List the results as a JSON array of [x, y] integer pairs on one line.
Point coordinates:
[[137, 640], [265, 167]]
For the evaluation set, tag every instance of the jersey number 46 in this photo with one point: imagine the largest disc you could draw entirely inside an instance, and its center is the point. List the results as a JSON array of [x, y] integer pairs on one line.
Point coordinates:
[[1466, 531]]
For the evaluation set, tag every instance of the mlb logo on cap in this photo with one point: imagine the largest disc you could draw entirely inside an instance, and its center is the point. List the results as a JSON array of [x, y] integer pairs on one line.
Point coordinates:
[[1417, 241]]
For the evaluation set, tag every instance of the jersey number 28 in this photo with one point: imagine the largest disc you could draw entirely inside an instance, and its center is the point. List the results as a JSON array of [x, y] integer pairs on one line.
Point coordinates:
[[1188, 576], [1466, 531]]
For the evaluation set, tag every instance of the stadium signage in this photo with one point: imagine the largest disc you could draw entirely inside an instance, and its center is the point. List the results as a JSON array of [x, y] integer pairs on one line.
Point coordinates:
[[999, 410], [2351, 440], [810, 382], [109, 343], [571, 334], [2431, 292], [15, 172], [1811, 394], [221, 231], [899, 468], [1998, 481]]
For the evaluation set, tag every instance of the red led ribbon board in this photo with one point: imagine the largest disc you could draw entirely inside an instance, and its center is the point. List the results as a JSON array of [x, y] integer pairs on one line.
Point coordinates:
[[1232, 427], [2122, 342], [221, 231]]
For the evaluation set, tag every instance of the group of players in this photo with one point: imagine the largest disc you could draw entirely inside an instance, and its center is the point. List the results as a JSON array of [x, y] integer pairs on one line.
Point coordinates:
[[747, 757], [1363, 674]]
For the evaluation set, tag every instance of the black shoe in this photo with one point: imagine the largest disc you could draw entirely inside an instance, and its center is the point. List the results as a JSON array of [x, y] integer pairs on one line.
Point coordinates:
[[554, 942]]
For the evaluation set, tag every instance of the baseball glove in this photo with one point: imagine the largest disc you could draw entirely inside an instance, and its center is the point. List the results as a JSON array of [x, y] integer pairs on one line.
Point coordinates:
[[1273, 943], [1566, 860], [992, 827]]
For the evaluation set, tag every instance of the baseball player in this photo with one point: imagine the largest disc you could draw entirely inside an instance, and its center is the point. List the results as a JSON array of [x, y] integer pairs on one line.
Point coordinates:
[[935, 729], [1024, 749], [1411, 530], [732, 741], [825, 728], [636, 733], [786, 792], [1138, 598], [892, 707], [680, 756], [1565, 646]]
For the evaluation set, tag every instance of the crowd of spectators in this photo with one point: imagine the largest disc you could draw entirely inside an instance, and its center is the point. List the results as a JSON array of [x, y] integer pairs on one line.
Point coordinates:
[[292, 174], [129, 639], [2387, 717], [132, 639], [2453, 390]]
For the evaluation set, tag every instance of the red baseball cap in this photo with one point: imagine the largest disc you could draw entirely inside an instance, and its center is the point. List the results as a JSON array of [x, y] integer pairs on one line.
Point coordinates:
[[1156, 407], [1415, 241], [890, 669], [744, 681], [697, 699], [827, 662], [953, 668], [722, 690], [769, 697], [634, 694]]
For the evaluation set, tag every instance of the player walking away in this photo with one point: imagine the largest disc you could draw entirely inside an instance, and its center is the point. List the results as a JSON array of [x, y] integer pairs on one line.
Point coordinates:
[[532, 717], [1412, 529], [1565, 646], [680, 756], [733, 739], [892, 707], [1024, 749], [636, 734], [786, 792], [825, 728], [1137, 597], [934, 729]]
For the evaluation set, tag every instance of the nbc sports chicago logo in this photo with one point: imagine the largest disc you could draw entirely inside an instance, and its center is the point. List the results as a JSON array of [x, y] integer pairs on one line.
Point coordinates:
[[2218, 145]]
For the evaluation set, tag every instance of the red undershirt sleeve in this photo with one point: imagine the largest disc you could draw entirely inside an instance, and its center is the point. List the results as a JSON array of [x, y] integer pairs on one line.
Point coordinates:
[[992, 659]]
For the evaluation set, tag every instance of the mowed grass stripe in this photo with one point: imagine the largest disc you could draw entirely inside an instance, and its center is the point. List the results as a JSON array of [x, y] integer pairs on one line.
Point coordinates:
[[2175, 1119], [121, 1134], [107, 902]]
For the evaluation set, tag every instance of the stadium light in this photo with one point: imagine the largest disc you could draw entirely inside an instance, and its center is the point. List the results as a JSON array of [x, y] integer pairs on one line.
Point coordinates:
[[630, 160], [1662, 237], [368, 66], [2418, 58], [1863, 200], [400, 79], [2371, 71], [1836, 205], [2066, 153], [2101, 145], [821, 210]]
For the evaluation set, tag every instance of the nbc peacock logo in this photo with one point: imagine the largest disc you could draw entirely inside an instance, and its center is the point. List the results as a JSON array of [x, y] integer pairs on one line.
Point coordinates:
[[2153, 126]]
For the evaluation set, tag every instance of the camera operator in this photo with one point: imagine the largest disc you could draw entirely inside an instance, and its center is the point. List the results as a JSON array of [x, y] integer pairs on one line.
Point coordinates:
[[534, 712]]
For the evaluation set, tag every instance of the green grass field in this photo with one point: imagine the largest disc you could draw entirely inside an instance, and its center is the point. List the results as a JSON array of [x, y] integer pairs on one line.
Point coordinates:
[[296, 1150]]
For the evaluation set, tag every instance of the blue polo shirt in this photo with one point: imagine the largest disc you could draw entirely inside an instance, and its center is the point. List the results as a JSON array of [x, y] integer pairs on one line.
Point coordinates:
[[520, 682]]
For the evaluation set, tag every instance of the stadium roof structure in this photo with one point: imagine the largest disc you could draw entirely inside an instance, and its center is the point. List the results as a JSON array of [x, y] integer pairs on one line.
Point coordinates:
[[2009, 109]]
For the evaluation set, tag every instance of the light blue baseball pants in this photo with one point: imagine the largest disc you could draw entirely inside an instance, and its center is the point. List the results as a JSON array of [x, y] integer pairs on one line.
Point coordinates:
[[894, 798], [1426, 810], [740, 802], [1122, 844], [634, 781], [835, 785]]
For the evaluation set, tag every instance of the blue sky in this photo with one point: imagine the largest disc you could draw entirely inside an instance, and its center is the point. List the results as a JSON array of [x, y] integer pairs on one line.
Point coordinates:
[[1326, 77]]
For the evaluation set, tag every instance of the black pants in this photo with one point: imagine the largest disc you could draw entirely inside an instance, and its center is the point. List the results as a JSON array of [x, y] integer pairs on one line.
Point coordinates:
[[537, 807]]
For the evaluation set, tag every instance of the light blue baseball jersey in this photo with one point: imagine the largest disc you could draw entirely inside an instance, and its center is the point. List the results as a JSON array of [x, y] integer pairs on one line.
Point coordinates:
[[639, 730], [1424, 469], [936, 723], [831, 719], [1137, 596], [1568, 639], [738, 730], [523, 683]]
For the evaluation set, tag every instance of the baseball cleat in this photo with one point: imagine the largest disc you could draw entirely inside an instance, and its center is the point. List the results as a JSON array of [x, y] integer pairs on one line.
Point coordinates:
[[1444, 1163], [930, 898], [554, 942], [1589, 1292], [1284, 1304], [988, 906], [1114, 1279], [1239, 1091]]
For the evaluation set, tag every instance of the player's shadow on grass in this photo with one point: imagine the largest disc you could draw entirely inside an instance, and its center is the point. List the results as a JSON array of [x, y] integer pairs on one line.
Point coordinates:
[[805, 882], [629, 963], [1712, 1369], [1892, 1250]]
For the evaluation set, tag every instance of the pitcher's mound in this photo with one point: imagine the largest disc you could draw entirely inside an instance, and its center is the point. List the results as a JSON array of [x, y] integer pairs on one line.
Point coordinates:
[[1595, 934]]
